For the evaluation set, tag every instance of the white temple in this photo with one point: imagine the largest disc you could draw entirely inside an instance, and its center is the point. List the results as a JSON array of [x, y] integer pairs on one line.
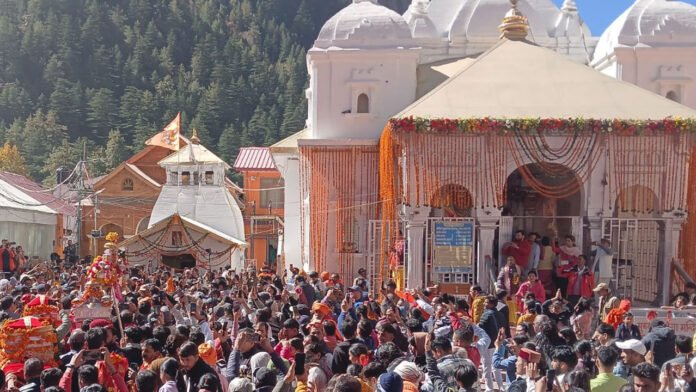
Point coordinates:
[[196, 222], [369, 63]]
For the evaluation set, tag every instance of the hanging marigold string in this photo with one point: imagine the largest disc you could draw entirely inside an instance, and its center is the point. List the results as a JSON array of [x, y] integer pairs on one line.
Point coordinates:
[[648, 172], [389, 188], [580, 172], [688, 245], [340, 184]]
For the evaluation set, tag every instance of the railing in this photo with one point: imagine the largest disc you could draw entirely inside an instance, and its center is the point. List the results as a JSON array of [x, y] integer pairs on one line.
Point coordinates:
[[679, 277]]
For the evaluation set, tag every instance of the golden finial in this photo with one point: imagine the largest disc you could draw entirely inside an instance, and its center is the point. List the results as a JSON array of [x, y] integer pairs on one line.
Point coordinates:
[[194, 137], [515, 26]]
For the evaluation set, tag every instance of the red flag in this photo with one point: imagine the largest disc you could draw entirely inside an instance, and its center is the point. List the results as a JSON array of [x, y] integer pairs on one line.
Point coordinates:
[[169, 137]]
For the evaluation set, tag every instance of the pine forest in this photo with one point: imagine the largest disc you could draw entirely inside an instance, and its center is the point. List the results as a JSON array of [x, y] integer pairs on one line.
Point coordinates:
[[104, 76]]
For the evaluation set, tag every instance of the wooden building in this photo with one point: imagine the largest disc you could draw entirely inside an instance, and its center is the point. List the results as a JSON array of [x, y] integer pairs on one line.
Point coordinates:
[[264, 200]]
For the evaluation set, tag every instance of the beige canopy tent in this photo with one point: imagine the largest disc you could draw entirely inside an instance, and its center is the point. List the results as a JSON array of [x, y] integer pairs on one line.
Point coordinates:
[[517, 79]]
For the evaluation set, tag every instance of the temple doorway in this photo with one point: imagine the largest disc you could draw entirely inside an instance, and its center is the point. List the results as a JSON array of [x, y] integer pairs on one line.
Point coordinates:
[[544, 199]]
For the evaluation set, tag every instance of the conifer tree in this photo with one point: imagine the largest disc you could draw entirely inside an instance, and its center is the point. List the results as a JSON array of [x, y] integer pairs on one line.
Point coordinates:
[[116, 150]]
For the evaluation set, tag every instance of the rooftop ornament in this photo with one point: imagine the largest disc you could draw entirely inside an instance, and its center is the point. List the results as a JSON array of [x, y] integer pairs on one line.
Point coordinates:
[[515, 26]]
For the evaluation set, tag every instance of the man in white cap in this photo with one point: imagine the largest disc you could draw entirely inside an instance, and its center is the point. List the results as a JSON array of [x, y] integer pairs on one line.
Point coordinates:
[[632, 353]]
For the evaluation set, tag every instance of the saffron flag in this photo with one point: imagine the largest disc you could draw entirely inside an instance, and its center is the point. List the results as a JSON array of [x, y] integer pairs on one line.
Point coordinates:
[[169, 137]]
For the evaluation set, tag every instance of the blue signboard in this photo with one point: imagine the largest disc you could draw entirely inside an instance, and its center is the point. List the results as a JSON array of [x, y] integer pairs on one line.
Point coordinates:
[[453, 245]]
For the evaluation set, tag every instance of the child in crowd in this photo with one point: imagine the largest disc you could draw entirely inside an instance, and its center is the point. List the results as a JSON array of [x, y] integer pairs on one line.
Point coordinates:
[[627, 330]]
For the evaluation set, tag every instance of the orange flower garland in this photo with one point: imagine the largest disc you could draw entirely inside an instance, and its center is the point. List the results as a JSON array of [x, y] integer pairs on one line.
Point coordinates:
[[17, 344], [342, 175], [688, 245], [47, 313]]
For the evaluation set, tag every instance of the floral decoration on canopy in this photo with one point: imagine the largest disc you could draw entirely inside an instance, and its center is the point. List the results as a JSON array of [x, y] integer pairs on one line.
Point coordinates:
[[540, 125], [27, 337]]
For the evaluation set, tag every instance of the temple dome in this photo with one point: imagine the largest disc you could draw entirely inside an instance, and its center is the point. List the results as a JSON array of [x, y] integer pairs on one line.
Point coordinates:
[[652, 23], [364, 24], [476, 18]]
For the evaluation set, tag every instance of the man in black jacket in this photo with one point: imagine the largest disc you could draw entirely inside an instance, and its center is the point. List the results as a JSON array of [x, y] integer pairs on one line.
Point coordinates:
[[660, 340], [341, 360], [489, 323], [193, 368]]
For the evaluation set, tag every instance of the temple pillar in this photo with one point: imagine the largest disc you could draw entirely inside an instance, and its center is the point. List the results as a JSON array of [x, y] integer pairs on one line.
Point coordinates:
[[416, 223], [667, 254], [485, 264]]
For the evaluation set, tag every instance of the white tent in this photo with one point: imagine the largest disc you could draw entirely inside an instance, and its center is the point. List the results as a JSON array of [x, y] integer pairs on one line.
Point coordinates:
[[26, 221]]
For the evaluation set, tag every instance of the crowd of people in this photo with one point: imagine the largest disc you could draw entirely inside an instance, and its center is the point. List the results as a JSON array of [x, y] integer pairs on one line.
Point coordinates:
[[229, 331]]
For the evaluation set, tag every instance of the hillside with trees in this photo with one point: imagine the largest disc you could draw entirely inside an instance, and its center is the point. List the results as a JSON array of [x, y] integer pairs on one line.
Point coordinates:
[[103, 76]]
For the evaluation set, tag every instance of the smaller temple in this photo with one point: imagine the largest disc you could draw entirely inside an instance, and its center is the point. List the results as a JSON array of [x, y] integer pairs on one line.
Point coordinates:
[[196, 222]]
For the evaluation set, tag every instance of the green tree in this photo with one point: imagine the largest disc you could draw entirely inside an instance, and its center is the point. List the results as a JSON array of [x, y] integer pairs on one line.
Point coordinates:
[[41, 132], [62, 155], [116, 149], [102, 113], [229, 143]]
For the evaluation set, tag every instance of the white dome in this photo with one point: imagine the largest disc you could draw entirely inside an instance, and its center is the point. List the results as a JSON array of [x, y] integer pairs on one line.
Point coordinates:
[[364, 24], [481, 18], [650, 22]]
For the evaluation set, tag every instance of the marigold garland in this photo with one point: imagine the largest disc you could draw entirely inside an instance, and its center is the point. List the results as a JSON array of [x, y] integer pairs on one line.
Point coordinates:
[[18, 344], [544, 125], [46, 313], [346, 176], [688, 245]]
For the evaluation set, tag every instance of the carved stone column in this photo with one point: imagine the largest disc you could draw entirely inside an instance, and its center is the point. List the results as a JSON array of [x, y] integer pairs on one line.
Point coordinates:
[[485, 264], [416, 223]]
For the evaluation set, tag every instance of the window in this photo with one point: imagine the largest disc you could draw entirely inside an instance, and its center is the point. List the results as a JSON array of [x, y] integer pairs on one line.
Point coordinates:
[[209, 178], [127, 184], [363, 103], [174, 178], [274, 197], [672, 95], [185, 178], [195, 178]]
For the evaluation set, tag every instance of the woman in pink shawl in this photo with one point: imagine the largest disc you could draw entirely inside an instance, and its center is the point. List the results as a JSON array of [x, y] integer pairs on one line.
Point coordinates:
[[568, 255], [532, 285]]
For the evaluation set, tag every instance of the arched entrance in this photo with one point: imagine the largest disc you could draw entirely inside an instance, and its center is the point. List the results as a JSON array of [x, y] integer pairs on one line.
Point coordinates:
[[451, 200], [545, 199]]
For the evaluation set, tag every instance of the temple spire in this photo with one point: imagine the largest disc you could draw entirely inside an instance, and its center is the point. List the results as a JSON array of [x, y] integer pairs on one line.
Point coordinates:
[[515, 26], [194, 137], [569, 6]]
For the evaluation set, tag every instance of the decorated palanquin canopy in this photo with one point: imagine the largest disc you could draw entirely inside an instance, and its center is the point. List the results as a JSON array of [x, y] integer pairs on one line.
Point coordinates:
[[43, 308], [27, 337]]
